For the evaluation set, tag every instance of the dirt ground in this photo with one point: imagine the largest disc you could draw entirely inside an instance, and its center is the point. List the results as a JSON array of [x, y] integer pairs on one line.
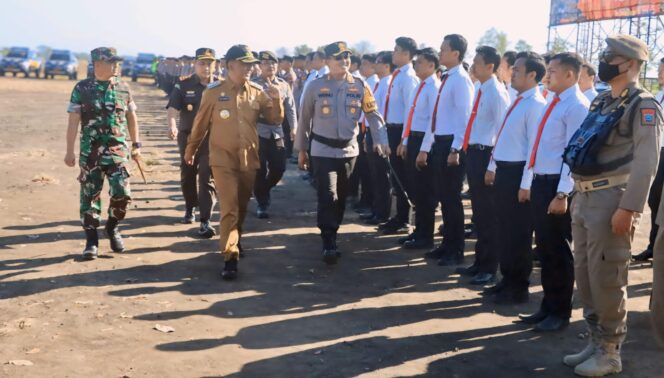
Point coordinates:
[[381, 312]]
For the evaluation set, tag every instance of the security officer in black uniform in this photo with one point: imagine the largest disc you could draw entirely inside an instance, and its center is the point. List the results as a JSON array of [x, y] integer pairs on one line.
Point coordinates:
[[185, 99], [271, 138], [331, 109]]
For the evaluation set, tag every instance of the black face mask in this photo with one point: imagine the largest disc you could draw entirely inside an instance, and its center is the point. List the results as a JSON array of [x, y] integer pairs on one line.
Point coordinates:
[[608, 72]]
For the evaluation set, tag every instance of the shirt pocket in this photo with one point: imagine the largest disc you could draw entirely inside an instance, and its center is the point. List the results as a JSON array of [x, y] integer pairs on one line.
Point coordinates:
[[325, 107], [353, 108]]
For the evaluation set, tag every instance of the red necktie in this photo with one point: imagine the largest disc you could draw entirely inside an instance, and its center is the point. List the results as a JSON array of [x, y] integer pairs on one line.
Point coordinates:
[[389, 91], [469, 128], [364, 121], [409, 124], [545, 93], [435, 107], [533, 154]]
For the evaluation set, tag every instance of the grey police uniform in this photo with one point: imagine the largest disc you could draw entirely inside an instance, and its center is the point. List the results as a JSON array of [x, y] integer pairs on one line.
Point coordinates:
[[271, 150], [601, 264], [335, 107]]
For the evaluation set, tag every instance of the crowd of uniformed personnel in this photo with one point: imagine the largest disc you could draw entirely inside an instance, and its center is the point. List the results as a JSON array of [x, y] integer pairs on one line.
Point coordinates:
[[546, 159]]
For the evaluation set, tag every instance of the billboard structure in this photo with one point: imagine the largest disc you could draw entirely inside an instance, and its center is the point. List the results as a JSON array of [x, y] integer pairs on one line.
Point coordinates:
[[584, 24]]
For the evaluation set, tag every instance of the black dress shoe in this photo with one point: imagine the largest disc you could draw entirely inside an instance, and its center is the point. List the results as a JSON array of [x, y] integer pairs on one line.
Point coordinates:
[[375, 221], [511, 297], [534, 318], [205, 231], [449, 259], [402, 240], [643, 256], [261, 212], [396, 229], [418, 244], [467, 270], [552, 323], [436, 253], [495, 289], [188, 217], [483, 279], [392, 222], [230, 270], [330, 256]]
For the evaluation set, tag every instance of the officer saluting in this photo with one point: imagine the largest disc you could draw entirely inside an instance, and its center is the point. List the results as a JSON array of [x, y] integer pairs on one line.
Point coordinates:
[[613, 157], [229, 111], [334, 102], [185, 100]]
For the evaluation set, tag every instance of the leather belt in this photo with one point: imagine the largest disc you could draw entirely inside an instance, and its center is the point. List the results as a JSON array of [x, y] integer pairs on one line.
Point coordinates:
[[599, 184]]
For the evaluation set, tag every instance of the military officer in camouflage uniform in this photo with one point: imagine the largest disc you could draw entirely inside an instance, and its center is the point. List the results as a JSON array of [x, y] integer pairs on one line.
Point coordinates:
[[613, 158], [105, 109], [271, 138], [229, 112], [331, 109]]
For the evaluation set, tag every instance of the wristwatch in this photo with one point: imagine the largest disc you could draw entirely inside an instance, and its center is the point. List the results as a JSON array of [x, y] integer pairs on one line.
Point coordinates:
[[561, 195], [136, 145]]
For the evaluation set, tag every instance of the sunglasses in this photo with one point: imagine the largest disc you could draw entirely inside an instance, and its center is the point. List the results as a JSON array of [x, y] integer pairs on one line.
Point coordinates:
[[342, 56], [608, 56]]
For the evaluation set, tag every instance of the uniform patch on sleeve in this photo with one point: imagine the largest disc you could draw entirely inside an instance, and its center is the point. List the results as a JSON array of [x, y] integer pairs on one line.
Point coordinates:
[[648, 117], [368, 101]]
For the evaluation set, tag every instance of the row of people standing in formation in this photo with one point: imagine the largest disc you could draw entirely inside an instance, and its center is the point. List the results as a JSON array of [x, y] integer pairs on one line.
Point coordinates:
[[419, 130], [526, 147]]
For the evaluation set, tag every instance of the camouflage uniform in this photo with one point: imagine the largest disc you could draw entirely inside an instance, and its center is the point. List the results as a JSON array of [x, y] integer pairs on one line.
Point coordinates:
[[104, 152]]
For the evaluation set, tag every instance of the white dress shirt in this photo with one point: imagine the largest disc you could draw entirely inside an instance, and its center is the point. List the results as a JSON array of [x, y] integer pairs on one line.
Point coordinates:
[[564, 120], [512, 142], [454, 107], [371, 82], [493, 105], [423, 107], [381, 93], [402, 85], [590, 93], [512, 92]]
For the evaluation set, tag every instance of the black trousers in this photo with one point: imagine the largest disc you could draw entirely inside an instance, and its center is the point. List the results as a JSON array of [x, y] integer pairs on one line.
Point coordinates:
[[272, 156], [288, 142], [394, 132], [448, 182], [514, 227], [553, 237], [420, 182], [360, 179], [654, 198], [380, 180], [203, 196], [482, 200], [332, 178]]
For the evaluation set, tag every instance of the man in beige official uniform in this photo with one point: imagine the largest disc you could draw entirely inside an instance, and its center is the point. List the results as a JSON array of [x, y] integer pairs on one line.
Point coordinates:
[[229, 111], [611, 190]]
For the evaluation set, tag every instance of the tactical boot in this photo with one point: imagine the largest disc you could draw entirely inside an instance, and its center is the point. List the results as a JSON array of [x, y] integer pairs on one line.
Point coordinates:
[[114, 235], [230, 270], [605, 361], [572, 360], [91, 244]]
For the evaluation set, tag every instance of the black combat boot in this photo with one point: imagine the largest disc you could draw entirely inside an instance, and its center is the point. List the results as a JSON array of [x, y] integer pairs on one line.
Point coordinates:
[[91, 244], [230, 270], [114, 235]]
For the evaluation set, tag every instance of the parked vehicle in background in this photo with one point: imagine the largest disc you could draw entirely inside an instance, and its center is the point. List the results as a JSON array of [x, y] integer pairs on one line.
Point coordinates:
[[61, 62], [143, 66], [20, 60], [128, 65]]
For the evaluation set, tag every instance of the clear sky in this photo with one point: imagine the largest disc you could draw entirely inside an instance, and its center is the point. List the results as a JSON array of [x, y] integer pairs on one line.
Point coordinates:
[[177, 27]]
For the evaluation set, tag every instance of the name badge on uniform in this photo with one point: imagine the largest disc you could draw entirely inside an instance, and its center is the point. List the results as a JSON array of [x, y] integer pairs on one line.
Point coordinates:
[[353, 90], [223, 98], [190, 94], [224, 114]]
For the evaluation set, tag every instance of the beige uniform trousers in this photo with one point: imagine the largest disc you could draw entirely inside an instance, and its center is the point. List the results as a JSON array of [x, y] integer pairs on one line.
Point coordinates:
[[601, 262], [234, 187]]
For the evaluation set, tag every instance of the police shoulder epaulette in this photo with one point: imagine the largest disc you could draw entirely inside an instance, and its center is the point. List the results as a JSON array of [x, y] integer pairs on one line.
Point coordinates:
[[214, 84], [257, 86]]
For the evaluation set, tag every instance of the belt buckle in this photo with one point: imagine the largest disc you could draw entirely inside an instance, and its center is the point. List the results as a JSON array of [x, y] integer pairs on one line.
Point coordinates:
[[481, 147]]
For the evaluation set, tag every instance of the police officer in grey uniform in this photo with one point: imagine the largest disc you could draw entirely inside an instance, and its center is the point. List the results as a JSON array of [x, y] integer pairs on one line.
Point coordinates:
[[271, 138], [331, 108], [613, 157]]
